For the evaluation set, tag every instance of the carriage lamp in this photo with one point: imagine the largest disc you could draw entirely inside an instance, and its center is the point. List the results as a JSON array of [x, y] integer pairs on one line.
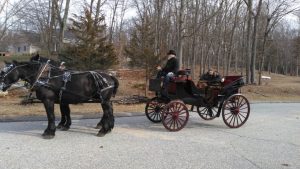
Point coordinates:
[[223, 79]]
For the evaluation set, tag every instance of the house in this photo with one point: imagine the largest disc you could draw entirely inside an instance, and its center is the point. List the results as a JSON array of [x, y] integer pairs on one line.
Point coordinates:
[[23, 48], [4, 54], [24, 42]]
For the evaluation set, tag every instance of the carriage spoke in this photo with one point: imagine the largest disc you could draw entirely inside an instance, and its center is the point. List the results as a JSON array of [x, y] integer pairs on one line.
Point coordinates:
[[243, 108], [170, 123], [242, 103], [182, 120], [183, 112], [231, 119], [169, 119], [241, 118], [158, 116], [237, 120], [175, 123], [229, 112], [242, 115], [151, 108], [151, 113], [236, 101]]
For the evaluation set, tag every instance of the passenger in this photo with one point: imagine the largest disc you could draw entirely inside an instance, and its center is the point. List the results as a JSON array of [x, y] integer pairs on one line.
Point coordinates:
[[211, 76]]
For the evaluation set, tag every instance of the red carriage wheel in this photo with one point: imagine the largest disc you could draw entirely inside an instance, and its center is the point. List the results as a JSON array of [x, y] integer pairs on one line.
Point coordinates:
[[236, 110], [153, 109], [175, 115], [207, 113]]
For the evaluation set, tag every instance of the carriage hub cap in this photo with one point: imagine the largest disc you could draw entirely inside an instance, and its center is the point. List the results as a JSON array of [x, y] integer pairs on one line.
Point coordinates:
[[175, 115], [235, 110]]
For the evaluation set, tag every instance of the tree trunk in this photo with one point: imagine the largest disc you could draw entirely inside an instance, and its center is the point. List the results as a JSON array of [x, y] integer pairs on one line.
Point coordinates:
[[248, 37], [180, 33], [254, 42], [231, 38], [51, 26], [113, 20], [63, 25]]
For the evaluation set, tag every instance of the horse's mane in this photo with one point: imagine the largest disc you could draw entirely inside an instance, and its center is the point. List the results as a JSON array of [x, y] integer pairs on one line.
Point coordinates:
[[38, 58]]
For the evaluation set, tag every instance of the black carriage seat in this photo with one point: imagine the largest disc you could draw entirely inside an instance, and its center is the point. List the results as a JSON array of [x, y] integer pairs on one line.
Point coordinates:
[[185, 72], [232, 84], [193, 90]]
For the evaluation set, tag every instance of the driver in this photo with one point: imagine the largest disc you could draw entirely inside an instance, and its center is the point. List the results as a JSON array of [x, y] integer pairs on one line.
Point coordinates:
[[170, 69]]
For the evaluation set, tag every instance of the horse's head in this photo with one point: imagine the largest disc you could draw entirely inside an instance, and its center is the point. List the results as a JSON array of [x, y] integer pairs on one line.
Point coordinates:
[[17, 70], [8, 75]]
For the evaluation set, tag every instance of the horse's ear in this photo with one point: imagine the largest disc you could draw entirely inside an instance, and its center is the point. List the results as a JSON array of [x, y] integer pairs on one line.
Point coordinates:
[[15, 62], [35, 58]]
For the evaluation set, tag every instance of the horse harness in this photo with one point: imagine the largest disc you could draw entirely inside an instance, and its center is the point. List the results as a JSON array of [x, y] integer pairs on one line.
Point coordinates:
[[99, 81]]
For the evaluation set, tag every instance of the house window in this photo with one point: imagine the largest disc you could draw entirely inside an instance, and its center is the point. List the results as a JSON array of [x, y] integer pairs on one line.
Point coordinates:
[[3, 54], [19, 49], [24, 48]]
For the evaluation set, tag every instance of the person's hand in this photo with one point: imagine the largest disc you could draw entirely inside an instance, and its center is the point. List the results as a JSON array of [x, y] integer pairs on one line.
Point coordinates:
[[158, 68]]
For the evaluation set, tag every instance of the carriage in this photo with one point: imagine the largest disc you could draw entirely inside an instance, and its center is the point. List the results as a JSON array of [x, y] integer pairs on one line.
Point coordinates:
[[211, 101]]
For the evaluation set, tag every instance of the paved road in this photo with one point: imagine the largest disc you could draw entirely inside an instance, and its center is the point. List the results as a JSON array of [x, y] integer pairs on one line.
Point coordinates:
[[270, 139]]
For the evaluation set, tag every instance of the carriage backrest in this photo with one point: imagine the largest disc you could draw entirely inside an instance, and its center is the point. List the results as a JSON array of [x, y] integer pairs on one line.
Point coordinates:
[[231, 79], [232, 84]]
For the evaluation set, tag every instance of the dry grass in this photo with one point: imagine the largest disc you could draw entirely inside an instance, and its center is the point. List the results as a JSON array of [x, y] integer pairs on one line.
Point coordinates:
[[279, 88]]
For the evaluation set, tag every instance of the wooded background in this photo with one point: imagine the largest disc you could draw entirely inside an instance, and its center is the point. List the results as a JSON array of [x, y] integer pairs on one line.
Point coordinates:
[[245, 37]]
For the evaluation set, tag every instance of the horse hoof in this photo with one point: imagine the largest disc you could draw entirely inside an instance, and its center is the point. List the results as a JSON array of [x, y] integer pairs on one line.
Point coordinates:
[[100, 134], [64, 128], [98, 127], [47, 136], [59, 126]]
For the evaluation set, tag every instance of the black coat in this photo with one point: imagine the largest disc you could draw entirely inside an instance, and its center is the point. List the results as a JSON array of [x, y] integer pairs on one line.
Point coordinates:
[[172, 65], [211, 78]]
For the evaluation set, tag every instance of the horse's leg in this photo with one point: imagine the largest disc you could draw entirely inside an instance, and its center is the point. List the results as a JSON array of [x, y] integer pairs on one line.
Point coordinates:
[[99, 125], [63, 117], [65, 122], [107, 121], [50, 130]]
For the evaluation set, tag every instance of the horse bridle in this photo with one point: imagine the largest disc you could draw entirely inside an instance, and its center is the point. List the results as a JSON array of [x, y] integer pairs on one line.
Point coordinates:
[[9, 69]]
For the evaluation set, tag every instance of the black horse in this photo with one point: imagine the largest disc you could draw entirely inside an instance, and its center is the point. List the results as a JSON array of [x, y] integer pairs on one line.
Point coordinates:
[[64, 88]]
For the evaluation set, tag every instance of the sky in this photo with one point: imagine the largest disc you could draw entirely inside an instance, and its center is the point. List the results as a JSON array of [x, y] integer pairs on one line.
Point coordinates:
[[76, 6]]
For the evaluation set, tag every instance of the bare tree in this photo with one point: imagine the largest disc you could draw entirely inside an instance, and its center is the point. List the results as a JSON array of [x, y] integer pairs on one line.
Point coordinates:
[[8, 12], [274, 12]]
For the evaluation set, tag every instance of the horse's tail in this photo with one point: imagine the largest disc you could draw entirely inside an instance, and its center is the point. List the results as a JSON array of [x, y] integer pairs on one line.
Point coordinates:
[[116, 85]]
